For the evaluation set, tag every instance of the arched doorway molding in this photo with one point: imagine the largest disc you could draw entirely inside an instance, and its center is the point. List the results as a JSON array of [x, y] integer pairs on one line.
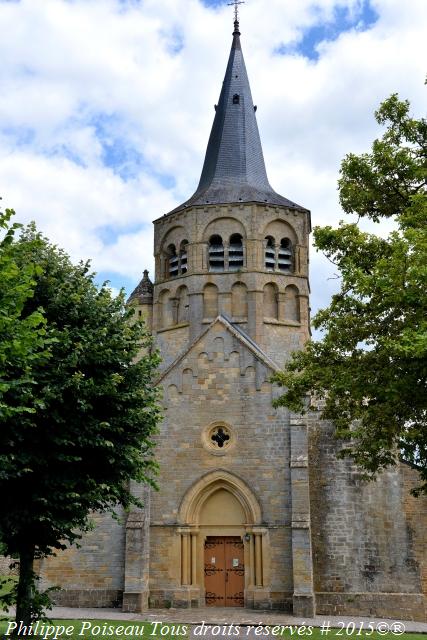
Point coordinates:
[[198, 493]]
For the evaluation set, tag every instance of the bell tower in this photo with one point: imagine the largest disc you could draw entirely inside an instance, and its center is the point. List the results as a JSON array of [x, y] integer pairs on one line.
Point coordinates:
[[236, 247], [229, 304]]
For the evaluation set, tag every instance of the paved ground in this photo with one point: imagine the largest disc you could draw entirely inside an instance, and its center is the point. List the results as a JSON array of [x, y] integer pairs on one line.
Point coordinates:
[[225, 617]]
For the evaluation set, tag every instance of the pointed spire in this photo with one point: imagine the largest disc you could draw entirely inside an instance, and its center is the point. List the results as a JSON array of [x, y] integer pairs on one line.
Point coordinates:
[[234, 168]]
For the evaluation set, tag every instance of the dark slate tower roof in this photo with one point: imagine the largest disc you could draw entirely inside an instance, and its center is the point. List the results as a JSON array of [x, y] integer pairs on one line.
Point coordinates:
[[234, 168]]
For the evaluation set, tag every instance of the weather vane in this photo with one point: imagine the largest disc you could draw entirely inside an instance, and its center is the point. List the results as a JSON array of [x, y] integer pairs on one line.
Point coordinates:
[[235, 4]]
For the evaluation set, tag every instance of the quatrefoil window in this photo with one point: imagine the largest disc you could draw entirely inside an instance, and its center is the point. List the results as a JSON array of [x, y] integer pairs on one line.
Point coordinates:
[[220, 437]]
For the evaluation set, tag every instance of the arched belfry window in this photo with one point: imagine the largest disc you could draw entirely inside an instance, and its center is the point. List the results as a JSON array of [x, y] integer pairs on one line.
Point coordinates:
[[183, 257], [173, 261], [235, 252], [176, 260], [216, 253], [270, 253], [285, 255]]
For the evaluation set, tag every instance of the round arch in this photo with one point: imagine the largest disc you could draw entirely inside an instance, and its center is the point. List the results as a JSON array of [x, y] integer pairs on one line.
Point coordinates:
[[278, 229], [225, 226], [198, 493]]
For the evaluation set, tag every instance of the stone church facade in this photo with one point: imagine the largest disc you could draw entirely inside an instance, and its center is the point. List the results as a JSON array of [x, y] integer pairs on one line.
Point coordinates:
[[254, 508]]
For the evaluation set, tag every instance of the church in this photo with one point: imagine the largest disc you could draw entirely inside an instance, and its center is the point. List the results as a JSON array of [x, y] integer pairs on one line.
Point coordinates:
[[254, 509]]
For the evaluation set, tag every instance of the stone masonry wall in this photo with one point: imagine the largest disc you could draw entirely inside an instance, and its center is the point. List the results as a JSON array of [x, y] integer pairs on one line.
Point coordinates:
[[221, 379], [416, 515], [92, 575], [368, 551], [171, 342]]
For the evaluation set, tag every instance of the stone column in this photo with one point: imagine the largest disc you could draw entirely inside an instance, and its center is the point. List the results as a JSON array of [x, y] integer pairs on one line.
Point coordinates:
[[258, 560], [252, 560], [136, 591], [226, 246], [193, 558], [276, 255], [303, 599], [188, 593], [185, 558], [262, 587]]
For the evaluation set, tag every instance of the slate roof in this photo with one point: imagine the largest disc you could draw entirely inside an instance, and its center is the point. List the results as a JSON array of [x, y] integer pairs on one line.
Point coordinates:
[[234, 168]]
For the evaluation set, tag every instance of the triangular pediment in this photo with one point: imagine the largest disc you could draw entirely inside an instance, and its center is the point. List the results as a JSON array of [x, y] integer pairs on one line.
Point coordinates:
[[235, 331]]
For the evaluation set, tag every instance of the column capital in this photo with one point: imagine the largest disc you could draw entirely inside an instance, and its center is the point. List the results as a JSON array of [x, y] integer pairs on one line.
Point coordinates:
[[259, 530], [184, 531]]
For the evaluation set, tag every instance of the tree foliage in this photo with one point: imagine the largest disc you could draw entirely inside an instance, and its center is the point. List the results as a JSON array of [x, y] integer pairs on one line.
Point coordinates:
[[23, 342], [370, 368], [80, 429]]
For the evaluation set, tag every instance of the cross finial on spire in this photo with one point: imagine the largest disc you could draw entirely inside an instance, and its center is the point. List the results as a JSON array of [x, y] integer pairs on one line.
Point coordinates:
[[236, 4]]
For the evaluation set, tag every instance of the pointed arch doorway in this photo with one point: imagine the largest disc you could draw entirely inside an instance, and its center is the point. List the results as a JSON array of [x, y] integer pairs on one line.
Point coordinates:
[[223, 546]]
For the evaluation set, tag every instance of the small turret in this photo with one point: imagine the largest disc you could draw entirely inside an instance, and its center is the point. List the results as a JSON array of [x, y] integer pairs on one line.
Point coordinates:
[[141, 299]]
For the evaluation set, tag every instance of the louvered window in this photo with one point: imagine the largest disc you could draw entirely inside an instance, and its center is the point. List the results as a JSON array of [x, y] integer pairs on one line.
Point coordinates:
[[270, 253], [216, 254], [285, 255], [173, 261], [235, 252]]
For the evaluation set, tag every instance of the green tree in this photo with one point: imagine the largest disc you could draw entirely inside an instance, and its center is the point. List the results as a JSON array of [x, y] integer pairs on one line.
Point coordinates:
[[88, 431], [370, 367], [23, 341], [22, 337]]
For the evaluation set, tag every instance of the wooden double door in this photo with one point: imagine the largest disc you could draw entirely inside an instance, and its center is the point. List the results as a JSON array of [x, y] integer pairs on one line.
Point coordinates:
[[224, 571]]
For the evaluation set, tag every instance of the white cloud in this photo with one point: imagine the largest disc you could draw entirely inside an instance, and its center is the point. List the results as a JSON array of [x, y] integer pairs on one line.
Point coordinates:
[[84, 78]]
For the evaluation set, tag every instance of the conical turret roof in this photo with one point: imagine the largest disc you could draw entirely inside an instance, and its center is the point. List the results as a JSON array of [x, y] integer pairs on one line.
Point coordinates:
[[143, 292], [234, 167]]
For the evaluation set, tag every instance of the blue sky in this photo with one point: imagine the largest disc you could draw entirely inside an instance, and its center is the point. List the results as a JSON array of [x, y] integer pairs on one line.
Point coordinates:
[[342, 20], [106, 108]]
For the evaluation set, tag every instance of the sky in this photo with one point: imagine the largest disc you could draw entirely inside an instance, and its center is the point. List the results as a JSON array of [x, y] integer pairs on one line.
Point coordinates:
[[106, 108]]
